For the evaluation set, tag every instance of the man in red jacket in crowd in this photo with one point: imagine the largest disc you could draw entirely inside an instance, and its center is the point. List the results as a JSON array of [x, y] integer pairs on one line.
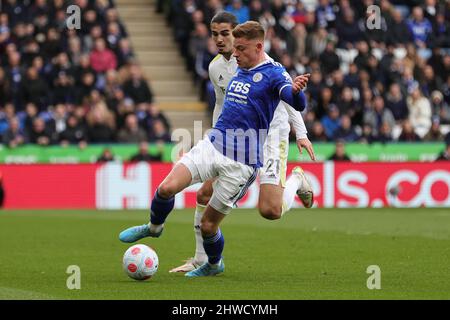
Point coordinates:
[[102, 59]]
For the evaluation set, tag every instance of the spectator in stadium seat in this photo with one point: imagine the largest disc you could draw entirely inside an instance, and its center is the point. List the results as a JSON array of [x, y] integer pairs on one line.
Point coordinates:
[[351, 79], [52, 45], [85, 88], [329, 60], [101, 124], [27, 117], [202, 62], [375, 72], [136, 87], [445, 155], [441, 31], [111, 84], [239, 9], [112, 15], [346, 103], [8, 113], [149, 115], [434, 134], [106, 156], [39, 8], [330, 122], [398, 30], [40, 134], [210, 8], [326, 98], [367, 135], [198, 42], [309, 118], [339, 153], [89, 21], [113, 36], [61, 63], [315, 84], [256, 10], [75, 52], [431, 82], [102, 58], [326, 17], [384, 134], [361, 60], [15, 74], [348, 30], [82, 68], [144, 155], [419, 109], [378, 114], [30, 51], [89, 39], [131, 132], [317, 133], [268, 21], [316, 42], [115, 99], [346, 132], [408, 134], [74, 133], [63, 90], [396, 102], [420, 27], [439, 107], [57, 121], [159, 133], [124, 52], [4, 29], [14, 136]]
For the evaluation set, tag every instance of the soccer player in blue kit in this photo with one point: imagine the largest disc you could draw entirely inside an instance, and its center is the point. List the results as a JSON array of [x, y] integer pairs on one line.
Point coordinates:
[[232, 152]]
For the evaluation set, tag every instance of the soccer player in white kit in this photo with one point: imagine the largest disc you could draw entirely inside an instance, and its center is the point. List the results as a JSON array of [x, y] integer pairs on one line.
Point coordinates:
[[276, 194]]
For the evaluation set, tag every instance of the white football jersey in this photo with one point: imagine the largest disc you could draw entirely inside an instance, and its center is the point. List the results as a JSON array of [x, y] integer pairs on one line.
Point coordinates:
[[221, 71]]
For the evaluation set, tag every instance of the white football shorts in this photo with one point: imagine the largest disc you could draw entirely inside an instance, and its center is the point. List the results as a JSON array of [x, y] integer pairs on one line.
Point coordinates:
[[233, 178], [276, 148]]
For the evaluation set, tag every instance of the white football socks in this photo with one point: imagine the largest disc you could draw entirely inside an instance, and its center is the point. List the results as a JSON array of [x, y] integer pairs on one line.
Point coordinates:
[[155, 228], [200, 254], [290, 190]]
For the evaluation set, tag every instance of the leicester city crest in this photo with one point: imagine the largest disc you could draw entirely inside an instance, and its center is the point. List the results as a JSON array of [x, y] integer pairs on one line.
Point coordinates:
[[257, 77]]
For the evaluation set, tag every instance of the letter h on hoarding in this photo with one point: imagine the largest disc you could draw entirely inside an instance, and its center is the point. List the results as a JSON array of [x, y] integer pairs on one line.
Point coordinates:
[[117, 188]]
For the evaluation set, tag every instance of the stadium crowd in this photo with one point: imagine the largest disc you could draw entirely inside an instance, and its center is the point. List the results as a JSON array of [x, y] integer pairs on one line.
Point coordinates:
[[381, 84], [63, 86], [66, 86]]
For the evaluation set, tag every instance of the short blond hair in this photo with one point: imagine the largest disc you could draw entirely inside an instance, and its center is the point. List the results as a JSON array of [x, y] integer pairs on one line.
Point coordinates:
[[249, 30]]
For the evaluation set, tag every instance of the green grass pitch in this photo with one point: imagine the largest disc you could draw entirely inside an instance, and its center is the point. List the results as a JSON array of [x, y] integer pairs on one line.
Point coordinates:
[[309, 254]]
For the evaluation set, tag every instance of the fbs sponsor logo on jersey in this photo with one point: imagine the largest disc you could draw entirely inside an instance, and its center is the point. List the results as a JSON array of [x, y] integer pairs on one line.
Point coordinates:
[[239, 87]]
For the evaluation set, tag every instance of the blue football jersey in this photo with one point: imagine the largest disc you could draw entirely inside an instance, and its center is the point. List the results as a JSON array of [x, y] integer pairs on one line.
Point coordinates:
[[250, 102]]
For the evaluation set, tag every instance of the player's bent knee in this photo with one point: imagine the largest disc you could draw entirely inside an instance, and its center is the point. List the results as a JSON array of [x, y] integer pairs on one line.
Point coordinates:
[[270, 213], [167, 189]]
